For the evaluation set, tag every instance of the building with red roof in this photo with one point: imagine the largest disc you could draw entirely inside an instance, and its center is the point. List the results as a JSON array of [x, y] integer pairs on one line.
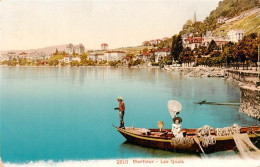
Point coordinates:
[[160, 54], [104, 46], [23, 53], [147, 43], [190, 41]]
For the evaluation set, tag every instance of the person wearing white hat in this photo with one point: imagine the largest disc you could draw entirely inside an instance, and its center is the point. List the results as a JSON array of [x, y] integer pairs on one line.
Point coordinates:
[[176, 127], [121, 109]]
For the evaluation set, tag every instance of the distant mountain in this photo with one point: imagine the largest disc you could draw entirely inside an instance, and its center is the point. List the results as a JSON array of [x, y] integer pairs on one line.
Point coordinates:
[[48, 50]]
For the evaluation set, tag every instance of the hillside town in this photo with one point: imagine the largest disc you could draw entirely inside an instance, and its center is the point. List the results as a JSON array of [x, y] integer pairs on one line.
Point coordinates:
[[150, 54], [194, 45]]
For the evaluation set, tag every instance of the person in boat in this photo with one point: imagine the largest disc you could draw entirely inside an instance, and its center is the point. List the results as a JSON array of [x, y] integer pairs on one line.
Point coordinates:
[[121, 109], [202, 102], [176, 127]]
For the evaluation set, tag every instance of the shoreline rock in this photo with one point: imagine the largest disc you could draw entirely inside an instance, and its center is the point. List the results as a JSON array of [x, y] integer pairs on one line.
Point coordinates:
[[204, 72]]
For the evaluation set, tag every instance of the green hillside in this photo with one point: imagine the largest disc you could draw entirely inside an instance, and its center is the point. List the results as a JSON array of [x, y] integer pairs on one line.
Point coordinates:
[[228, 9], [249, 24]]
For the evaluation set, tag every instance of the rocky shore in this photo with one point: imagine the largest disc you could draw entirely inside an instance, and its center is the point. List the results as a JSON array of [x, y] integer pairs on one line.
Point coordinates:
[[203, 72], [206, 72]]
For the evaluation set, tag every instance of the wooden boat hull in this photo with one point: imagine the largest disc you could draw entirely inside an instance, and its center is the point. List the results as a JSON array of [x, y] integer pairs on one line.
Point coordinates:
[[223, 143]]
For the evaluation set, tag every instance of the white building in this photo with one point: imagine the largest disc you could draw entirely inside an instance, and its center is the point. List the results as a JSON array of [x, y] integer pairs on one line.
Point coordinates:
[[92, 56], [12, 55], [76, 59], [222, 20], [157, 41], [69, 49], [100, 57], [235, 35], [79, 49], [36, 55], [144, 56], [208, 37], [4, 57], [104, 46], [24, 55], [96, 57], [114, 55], [160, 54], [67, 59], [195, 42]]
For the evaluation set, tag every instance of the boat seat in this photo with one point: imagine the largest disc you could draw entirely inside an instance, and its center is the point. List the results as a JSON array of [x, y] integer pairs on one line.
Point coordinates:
[[188, 133], [163, 133]]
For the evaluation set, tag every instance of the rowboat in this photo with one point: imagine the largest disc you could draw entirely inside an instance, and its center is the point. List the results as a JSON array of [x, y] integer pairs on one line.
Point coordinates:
[[165, 140]]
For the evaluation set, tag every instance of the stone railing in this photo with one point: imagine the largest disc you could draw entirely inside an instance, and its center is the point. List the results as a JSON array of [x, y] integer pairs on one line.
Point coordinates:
[[249, 91], [246, 77], [250, 101]]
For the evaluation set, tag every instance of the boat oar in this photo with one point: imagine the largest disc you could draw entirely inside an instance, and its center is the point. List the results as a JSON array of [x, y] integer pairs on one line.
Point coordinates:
[[195, 138]]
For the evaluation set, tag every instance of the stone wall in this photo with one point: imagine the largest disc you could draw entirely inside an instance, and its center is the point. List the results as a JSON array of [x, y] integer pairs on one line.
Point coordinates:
[[249, 92], [246, 77], [250, 101]]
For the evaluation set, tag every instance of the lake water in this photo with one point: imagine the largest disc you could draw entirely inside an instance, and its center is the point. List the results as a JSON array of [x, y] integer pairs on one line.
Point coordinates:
[[66, 113]]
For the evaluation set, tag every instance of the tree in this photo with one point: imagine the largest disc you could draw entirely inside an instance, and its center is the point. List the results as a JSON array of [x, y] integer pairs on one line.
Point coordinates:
[[251, 48], [53, 62], [165, 44], [227, 54], [56, 52], [130, 55], [176, 47], [212, 46], [186, 56], [145, 50], [246, 50], [83, 58], [74, 63]]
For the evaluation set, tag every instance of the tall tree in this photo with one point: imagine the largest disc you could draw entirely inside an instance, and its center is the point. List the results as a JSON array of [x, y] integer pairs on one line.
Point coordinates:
[[227, 54], [176, 46], [83, 58], [56, 52], [212, 46], [251, 47]]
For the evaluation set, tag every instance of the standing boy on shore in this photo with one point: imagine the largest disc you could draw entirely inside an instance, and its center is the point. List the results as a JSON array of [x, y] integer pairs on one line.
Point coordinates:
[[121, 109]]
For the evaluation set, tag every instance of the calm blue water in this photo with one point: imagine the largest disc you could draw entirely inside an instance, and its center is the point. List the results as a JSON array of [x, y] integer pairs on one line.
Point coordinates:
[[67, 113]]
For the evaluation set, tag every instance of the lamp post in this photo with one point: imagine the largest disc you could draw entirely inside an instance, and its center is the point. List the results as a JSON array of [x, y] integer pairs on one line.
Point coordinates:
[[258, 61]]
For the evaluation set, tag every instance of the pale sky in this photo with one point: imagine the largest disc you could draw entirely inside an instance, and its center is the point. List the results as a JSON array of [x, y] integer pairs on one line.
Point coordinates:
[[36, 23]]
